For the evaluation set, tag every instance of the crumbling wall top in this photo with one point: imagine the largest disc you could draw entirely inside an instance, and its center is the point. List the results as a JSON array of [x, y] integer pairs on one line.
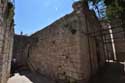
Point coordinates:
[[80, 6]]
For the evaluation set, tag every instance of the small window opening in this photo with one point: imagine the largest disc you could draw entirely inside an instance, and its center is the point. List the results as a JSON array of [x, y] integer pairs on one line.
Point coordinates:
[[64, 73], [53, 42], [73, 31]]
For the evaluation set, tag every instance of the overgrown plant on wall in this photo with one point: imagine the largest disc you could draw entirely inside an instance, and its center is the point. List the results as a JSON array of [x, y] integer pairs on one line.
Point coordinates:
[[10, 11], [115, 8], [108, 9]]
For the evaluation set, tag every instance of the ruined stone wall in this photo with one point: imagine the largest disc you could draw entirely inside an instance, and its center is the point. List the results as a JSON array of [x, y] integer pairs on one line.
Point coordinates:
[[7, 56], [19, 51], [64, 50], [69, 49], [108, 42], [91, 43], [119, 38], [56, 50], [120, 50], [6, 39]]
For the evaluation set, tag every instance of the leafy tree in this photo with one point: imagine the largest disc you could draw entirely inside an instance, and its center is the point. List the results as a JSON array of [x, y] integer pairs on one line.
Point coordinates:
[[115, 8], [108, 9]]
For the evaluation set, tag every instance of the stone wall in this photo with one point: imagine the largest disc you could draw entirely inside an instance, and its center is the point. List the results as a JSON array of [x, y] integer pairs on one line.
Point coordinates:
[[108, 42], [20, 43], [120, 50], [58, 51], [6, 38], [66, 49], [119, 38]]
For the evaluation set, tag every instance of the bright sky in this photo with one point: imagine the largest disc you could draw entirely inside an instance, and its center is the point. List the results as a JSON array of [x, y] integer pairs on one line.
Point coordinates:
[[33, 15]]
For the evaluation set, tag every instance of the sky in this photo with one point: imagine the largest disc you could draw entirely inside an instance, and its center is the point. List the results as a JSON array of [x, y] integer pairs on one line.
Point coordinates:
[[33, 15]]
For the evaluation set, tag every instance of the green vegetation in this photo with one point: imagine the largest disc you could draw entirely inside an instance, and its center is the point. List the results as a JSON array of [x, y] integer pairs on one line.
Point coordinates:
[[115, 8], [110, 9], [10, 11]]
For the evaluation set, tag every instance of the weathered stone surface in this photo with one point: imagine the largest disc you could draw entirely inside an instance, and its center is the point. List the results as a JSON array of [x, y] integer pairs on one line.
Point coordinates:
[[119, 38], [65, 49], [20, 43], [6, 40]]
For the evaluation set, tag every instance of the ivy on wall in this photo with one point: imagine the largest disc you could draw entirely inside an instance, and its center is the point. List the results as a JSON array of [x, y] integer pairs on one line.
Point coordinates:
[[10, 11]]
